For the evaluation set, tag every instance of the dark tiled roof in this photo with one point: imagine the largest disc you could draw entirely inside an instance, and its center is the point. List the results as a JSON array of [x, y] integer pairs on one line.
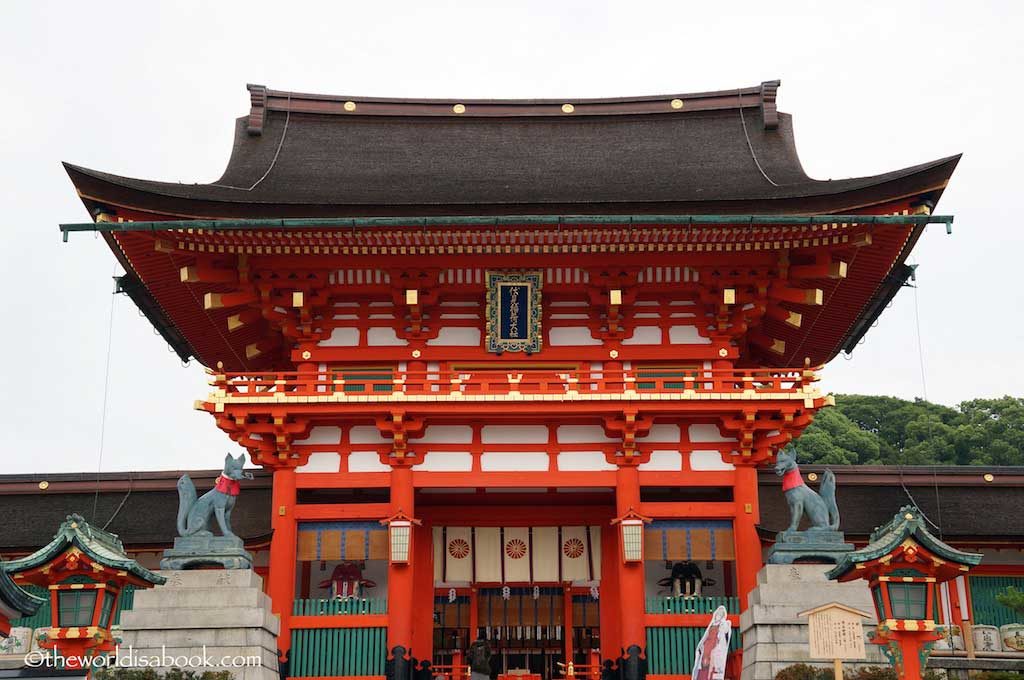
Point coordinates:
[[141, 508], [867, 496], [956, 498], [299, 155]]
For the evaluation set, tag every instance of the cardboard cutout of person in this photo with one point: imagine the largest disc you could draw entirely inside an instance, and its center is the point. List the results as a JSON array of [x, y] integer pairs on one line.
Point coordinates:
[[713, 648]]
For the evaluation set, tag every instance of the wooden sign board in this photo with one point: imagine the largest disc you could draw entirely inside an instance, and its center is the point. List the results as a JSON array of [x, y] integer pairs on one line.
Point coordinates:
[[836, 632]]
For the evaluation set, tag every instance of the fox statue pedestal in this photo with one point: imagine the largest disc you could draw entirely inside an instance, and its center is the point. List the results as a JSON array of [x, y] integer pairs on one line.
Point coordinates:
[[205, 551], [208, 613]]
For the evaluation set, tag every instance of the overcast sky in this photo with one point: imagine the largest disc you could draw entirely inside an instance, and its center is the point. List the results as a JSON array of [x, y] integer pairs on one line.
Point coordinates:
[[151, 90]]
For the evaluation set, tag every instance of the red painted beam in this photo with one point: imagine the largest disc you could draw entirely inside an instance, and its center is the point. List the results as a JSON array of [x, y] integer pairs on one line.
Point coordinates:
[[342, 511], [342, 621], [688, 510], [342, 480]]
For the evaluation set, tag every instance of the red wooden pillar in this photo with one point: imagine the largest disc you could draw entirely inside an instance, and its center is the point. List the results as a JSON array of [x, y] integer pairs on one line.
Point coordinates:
[[748, 544], [400, 576], [423, 592], [631, 574], [611, 555], [281, 586], [567, 622]]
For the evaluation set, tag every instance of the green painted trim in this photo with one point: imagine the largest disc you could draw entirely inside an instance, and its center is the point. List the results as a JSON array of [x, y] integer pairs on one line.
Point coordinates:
[[319, 652], [671, 650], [511, 221], [985, 610]]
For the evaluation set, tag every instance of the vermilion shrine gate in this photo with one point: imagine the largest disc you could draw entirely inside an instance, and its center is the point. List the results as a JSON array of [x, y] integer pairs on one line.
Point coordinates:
[[546, 343]]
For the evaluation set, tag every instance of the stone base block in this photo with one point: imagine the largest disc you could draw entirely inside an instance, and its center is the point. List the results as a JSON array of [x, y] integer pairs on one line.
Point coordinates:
[[221, 617], [812, 545], [204, 551]]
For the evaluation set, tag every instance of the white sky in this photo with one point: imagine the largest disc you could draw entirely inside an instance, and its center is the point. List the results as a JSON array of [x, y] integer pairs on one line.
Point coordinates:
[[151, 90]]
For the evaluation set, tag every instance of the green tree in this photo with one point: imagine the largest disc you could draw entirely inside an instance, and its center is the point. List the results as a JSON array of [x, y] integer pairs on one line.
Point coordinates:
[[872, 430]]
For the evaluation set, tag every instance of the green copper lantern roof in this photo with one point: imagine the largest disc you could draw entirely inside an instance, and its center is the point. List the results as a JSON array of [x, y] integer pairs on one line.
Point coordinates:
[[907, 523], [16, 599], [101, 546]]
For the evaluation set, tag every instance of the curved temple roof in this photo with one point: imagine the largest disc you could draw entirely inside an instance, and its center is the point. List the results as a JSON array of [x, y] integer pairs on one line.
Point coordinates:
[[302, 155], [101, 546]]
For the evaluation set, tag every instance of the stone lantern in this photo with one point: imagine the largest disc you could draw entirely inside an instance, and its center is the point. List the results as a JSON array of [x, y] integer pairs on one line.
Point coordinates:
[[902, 564], [86, 570]]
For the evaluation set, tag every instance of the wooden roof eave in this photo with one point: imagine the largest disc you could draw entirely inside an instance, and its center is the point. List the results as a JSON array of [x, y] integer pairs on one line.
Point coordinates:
[[143, 199]]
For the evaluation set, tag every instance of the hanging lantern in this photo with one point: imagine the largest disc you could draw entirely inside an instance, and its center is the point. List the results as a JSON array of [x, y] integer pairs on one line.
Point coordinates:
[[400, 537], [631, 526]]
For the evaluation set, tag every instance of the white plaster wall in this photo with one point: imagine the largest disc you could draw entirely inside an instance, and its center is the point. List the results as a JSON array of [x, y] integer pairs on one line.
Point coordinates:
[[514, 434], [445, 434], [664, 461], [707, 433], [447, 461], [580, 434], [365, 434], [661, 432], [583, 461], [366, 461], [686, 335], [341, 337], [384, 336], [644, 335], [708, 460], [571, 335], [513, 461], [326, 461], [322, 434], [456, 336]]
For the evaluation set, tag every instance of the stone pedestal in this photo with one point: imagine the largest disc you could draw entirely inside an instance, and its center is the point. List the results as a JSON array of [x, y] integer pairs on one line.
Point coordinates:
[[224, 610], [775, 637], [190, 552], [820, 545]]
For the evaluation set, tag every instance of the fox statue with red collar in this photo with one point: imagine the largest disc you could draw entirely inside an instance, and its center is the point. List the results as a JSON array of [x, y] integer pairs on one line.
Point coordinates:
[[821, 509], [194, 514]]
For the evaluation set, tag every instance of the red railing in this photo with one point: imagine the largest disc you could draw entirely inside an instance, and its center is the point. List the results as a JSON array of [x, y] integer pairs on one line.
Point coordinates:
[[470, 383], [456, 672]]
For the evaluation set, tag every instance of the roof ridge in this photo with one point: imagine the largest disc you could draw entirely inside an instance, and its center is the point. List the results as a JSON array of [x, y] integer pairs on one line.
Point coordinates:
[[263, 99]]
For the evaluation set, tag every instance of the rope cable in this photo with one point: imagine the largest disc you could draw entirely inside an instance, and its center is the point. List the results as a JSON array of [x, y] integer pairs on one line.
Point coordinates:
[[273, 161], [743, 121], [106, 392]]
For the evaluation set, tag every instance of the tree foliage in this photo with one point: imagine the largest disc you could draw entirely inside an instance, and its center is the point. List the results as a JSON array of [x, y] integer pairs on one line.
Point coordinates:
[[868, 430]]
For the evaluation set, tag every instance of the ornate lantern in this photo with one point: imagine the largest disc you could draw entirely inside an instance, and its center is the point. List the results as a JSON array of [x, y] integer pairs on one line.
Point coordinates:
[[902, 563], [400, 537], [86, 570], [631, 526]]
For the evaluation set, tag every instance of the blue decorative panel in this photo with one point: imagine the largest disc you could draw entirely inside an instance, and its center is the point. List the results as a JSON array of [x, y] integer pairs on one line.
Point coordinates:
[[514, 312]]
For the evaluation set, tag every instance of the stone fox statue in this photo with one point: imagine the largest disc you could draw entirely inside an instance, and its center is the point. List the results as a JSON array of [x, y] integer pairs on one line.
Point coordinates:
[[821, 510], [194, 513]]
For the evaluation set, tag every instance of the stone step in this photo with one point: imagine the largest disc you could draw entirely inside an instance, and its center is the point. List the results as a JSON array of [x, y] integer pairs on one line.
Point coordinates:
[[209, 578], [165, 597], [197, 637], [194, 617], [845, 593]]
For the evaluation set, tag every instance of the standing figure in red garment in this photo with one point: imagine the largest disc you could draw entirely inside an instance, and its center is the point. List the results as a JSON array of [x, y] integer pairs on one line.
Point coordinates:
[[713, 648]]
